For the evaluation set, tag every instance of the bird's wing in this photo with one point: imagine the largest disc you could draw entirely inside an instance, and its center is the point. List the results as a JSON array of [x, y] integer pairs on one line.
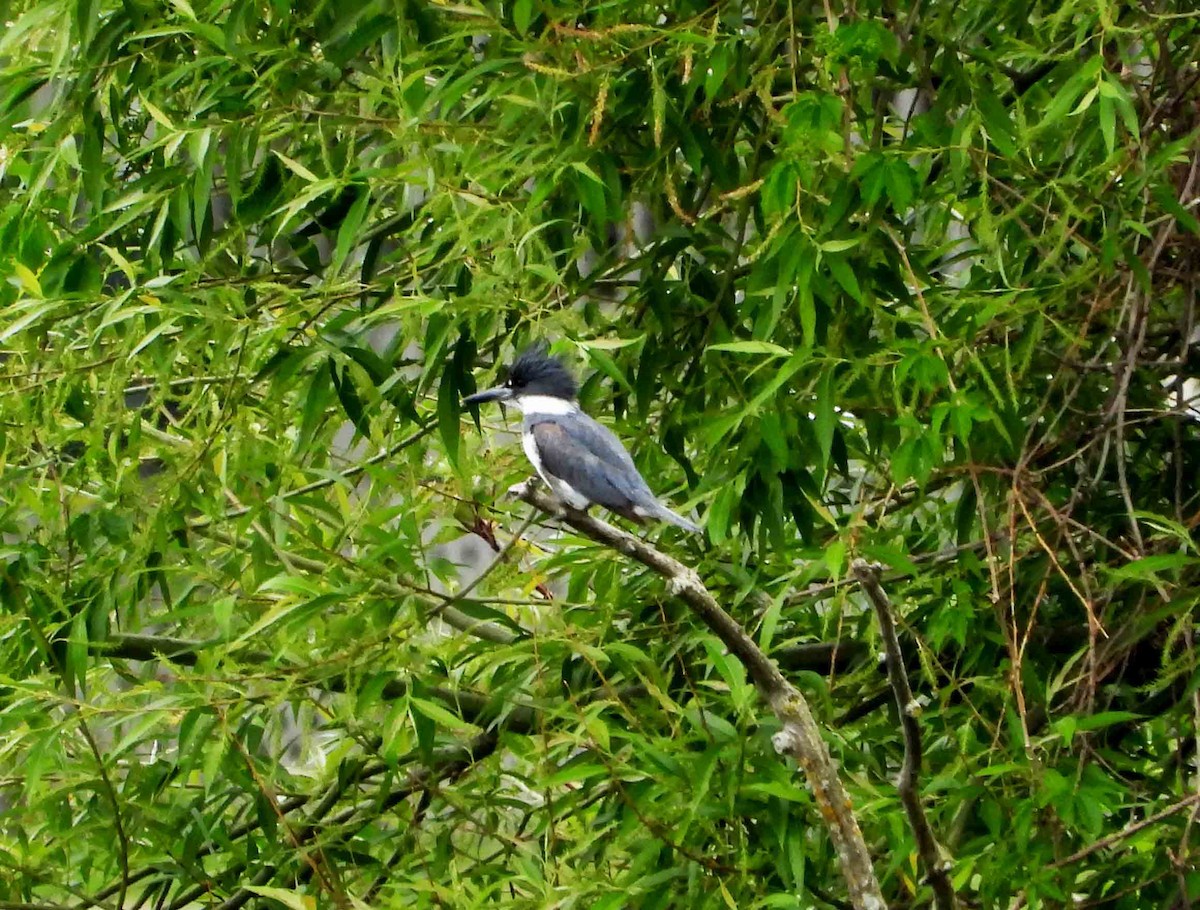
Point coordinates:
[[591, 460]]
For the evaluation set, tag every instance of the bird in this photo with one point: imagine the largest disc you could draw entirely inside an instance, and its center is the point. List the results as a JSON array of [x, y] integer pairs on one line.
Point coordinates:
[[581, 461]]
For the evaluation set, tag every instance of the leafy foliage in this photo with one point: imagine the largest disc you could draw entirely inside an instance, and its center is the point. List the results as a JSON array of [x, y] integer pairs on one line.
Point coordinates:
[[911, 282]]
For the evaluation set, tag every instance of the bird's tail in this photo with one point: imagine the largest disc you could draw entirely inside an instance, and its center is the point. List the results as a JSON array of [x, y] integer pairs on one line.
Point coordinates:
[[658, 510]]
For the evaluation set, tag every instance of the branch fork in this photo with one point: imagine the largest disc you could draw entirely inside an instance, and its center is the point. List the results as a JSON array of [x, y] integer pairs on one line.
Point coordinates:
[[799, 736]]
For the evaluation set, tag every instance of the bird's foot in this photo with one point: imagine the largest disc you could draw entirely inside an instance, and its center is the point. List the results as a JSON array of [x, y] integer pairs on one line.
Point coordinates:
[[559, 510], [521, 490]]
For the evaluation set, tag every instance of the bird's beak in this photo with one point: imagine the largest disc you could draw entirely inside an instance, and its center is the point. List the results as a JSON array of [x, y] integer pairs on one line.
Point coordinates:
[[500, 393]]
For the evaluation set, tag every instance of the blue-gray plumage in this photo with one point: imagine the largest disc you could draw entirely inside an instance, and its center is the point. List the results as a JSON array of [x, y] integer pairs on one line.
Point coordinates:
[[579, 459]]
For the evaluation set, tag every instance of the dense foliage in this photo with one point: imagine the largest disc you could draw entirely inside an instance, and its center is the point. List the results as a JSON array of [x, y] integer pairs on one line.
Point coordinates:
[[913, 282]]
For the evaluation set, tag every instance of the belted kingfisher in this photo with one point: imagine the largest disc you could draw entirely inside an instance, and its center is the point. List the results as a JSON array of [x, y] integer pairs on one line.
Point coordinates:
[[581, 461]]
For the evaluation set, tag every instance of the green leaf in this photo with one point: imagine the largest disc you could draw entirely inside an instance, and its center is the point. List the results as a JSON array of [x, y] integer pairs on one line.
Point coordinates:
[[719, 516], [844, 275], [770, 621], [609, 367], [997, 121], [1070, 91], [439, 715], [448, 411], [1103, 719], [1108, 123], [609, 344], [575, 773], [1086, 101], [591, 192], [779, 188], [751, 347], [839, 246], [75, 668], [825, 420], [1147, 568], [295, 166], [522, 12], [343, 385], [1165, 197], [348, 231], [289, 609], [901, 182]]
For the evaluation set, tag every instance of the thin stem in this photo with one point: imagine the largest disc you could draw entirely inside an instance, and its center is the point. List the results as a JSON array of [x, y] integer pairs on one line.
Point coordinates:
[[937, 868], [111, 793]]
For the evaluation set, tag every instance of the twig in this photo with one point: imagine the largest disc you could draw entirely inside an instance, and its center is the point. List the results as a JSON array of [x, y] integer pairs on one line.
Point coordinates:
[[1127, 831], [326, 877], [110, 791], [452, 616], [820, 656], [800, 735], [936, 867], [1139, 320], [452, 762], [422, 430], [500, 557], [475, 707]]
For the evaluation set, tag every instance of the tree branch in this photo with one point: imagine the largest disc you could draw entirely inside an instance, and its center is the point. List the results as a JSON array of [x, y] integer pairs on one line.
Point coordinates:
[[936, 868], [1126, 832], [814, 656], [449, 614], [423, 430], [118, 823], [449, 762], [476, 707], [800, 735]]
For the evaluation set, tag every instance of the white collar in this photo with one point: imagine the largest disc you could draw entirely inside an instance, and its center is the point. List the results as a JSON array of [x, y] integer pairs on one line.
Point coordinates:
[[544, 404]]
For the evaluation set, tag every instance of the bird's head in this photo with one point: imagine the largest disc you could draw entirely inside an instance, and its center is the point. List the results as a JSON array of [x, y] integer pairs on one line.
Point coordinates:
[[535, 373]]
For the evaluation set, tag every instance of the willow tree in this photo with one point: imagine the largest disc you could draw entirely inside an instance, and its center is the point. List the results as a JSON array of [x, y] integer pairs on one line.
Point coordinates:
[[909, 284]]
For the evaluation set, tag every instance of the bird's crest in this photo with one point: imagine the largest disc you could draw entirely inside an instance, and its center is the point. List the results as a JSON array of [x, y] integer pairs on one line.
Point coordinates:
[[537, 371]]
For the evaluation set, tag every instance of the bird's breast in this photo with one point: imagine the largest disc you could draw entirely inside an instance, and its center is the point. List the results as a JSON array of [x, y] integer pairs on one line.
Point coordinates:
[[529, 444], [557, 485]]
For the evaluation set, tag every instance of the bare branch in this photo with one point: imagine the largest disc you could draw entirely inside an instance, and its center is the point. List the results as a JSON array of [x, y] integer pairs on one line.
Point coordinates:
[[936, 867], [800, 735], [1127, 831]]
